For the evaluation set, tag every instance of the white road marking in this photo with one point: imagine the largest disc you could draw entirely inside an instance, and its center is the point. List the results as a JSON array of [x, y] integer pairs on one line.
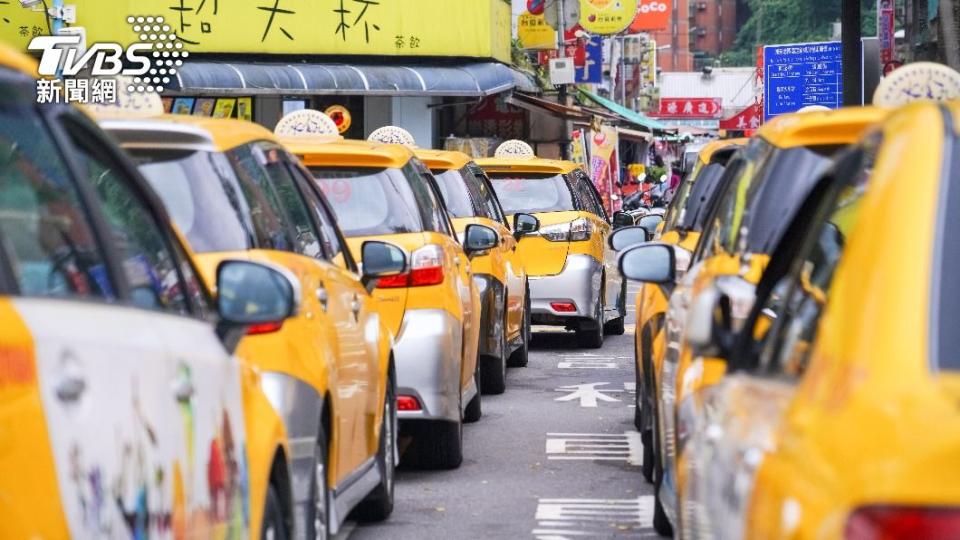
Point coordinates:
[[630, 387], [625, 446], [585, 363], [588, 394], [563, 518]]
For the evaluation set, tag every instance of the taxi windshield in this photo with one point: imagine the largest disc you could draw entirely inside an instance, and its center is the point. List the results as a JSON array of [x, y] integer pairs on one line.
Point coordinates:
[[203, 196], [369, 201], [454, 190], [532, 192]]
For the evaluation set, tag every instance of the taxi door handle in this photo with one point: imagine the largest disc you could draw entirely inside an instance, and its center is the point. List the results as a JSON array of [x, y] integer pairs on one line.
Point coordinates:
[[323, 297], [70, 387]]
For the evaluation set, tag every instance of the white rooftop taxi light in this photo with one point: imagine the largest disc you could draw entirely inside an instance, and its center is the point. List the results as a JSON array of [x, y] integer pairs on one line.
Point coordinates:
[[307, 123], [514, 149], [129, 104], [916, 81], [393, 135]]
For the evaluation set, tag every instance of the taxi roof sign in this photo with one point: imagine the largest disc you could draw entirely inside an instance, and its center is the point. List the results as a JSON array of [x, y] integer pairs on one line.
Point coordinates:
[[393, 135], [307, 123], [514, 149], [919, 80]]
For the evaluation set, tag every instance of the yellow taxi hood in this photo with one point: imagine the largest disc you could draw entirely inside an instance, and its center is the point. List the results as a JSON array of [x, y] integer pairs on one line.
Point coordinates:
[[16, 60], [348, 153], [443, 159], [840, 126], [535, 165]]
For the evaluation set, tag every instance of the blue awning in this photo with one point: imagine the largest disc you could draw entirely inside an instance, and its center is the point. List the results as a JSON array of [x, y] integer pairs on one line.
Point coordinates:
[[254, 78]]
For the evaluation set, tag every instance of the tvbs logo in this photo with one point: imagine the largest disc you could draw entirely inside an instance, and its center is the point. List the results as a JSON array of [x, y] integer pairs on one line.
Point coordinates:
[[150, 62]]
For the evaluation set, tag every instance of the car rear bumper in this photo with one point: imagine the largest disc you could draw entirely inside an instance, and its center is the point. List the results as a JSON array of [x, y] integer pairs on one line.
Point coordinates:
[[578, 283], [427, 354]]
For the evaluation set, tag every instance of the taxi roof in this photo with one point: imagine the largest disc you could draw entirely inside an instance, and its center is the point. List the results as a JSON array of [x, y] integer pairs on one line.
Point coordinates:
[[707, 151], [178, 130], [840, 126], [535, 165], [348, 153], [16, 60], [443, 159]]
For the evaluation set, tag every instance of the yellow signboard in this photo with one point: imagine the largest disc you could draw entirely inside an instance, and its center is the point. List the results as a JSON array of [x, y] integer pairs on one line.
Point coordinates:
[[474, 28], [534, 32], [607, 17]]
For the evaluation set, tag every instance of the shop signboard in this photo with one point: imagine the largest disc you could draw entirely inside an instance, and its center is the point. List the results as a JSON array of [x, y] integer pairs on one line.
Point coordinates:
[[690, 108], [334, 27], [606, 17], [651, 15], [801, 74], [748, 118], [534, 33]]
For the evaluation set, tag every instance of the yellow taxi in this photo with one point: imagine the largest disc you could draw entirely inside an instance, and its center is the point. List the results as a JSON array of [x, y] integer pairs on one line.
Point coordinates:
[[572, 271], [681, 226], [839, 420], [383, 192], [123, 412], [499, 274], [235, 193], [759, 192]]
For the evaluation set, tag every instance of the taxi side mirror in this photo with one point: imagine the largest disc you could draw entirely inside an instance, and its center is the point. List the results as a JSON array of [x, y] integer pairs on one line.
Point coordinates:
[[524, 224], [253, 295], [628, 236], [380, 260], [649, 263], [650, 222], [709, 329], [621, 219], [479, 239]]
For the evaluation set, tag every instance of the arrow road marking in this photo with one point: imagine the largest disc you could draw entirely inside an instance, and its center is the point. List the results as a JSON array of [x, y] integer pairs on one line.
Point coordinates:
[[586, 393]]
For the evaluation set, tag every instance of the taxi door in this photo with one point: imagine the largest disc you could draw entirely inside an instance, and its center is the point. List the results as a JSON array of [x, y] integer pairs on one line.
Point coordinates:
[[202, 400], [593, 210]]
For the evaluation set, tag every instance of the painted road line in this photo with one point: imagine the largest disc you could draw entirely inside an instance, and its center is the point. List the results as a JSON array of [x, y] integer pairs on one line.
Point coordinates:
[[588, 394], [594, 518], [584, 363], [625, 446]]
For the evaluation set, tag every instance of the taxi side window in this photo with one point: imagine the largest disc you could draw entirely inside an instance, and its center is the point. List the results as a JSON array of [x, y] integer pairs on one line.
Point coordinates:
[[813, 272], [307, 239], [588, 197], [330, 237], [487, 196], [431, 210], [147, 261], [269, 223], [46, 232]]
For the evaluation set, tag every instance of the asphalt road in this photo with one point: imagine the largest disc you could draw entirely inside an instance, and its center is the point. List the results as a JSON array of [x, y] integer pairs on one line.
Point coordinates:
[[549, 459]]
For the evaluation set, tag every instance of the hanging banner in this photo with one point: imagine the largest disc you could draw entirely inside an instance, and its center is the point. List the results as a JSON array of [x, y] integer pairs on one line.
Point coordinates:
[[651, 15], [885, 29], [748, 118], [606, 17], [603, 145], [578, 147], [690, 108]]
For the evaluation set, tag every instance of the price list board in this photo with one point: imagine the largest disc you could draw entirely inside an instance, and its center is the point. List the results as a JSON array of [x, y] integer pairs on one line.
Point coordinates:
[[802, 74]]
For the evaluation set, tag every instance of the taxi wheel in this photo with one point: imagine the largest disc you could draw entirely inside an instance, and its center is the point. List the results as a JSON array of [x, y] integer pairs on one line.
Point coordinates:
[[474, 409], [495, 368], [592, 336], [379, 503], [274, 527], [318, 509], [521, 356], [442, 444]]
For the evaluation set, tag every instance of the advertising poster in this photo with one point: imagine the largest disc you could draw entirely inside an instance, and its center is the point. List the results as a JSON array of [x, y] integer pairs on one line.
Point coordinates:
[[224, 108], [245, 109], [204, 107], [603, 146], [183, 105]]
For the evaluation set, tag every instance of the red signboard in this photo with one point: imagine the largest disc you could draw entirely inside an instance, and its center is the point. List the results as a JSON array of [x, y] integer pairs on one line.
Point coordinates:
[[690, 108], [651, 15], [748, 118], [885, 29]]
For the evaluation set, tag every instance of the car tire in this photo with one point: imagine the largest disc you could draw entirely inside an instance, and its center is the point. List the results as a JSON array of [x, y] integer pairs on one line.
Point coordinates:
[[661, 524], [378, 504], [474, 409], [521, 356], [274, 525], [494, 377], [444, 445], [592, 337], [318, 508], [616, 326]]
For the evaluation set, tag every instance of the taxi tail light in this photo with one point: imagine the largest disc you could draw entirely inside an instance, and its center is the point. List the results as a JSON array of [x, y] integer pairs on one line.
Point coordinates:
[[890, 522], [408, 403], [264, 328], [563, 307], [426, 266], [555, 233]]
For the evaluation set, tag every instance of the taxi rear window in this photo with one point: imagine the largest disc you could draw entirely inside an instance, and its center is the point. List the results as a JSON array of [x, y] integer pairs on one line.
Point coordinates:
[[532, 192], [369, 201], [203, 196]]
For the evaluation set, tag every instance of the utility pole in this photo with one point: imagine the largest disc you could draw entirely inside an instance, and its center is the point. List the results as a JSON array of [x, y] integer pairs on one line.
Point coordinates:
[[622, 70], [850, 52], [562, 93]]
